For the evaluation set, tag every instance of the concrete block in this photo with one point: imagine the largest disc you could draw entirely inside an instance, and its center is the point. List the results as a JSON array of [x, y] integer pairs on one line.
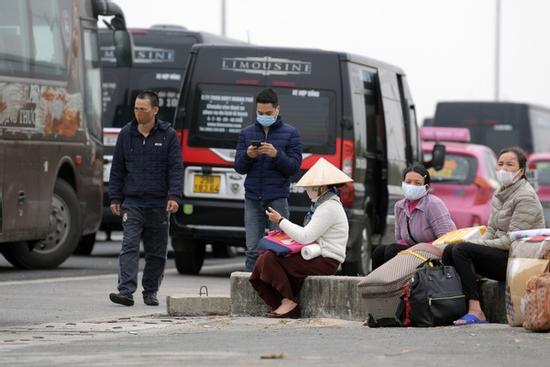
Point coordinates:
[[492, 296], [244, 299], [198, 306], [321, 296], [334, 297]]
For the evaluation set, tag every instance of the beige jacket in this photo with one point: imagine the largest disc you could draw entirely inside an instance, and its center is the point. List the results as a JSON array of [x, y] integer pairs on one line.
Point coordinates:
[[514, 208], [328, 227]]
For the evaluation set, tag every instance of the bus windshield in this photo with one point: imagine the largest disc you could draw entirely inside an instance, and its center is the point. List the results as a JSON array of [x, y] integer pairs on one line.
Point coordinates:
[[495, 125], [160, 58], [221, 111]]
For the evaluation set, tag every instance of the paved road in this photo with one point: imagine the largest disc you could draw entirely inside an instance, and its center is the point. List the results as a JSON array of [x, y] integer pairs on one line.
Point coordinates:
[[103, 260], [64, 318], [79, 288], [225, 341]]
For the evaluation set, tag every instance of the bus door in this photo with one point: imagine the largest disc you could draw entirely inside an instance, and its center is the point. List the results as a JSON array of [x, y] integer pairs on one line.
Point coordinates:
[[24, 173], [92, 102]]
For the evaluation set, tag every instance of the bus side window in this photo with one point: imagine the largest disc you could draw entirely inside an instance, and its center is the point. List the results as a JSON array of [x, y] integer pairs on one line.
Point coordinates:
[[14, 38], [92, 83], [49, 50]]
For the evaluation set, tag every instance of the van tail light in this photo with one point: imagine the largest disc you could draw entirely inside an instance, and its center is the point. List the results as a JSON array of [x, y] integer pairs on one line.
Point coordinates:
[[347, 192], [476, 221], [484, 192]]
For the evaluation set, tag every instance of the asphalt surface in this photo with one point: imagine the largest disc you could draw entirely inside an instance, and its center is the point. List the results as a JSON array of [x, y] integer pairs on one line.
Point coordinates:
[[226, 341], [64, 318]]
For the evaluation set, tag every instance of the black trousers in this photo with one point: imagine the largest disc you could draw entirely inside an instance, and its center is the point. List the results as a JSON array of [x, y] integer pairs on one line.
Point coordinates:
[[384, 253], [470, 259]]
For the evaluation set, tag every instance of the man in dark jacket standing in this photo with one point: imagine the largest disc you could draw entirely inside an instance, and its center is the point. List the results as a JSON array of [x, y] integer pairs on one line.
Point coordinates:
[[145, 186], [269, 152]]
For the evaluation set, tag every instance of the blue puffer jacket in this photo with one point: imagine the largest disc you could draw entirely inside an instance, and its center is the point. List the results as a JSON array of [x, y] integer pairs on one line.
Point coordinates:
[[269, 178], [145, 172]]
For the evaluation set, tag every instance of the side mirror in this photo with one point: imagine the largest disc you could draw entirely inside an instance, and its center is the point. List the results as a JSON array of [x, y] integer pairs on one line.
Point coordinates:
[[123, 48], [438, 157]]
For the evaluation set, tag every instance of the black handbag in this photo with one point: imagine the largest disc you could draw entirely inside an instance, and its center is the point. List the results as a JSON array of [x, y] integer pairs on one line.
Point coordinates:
[[435, 296]]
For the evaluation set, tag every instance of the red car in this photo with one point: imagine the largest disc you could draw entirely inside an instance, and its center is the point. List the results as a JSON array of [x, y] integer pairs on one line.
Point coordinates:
[[540, 162], [467, 181]]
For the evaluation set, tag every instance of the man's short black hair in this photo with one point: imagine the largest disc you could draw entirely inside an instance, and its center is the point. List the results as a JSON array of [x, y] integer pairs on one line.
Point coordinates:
[[152, 96], [268, 95]]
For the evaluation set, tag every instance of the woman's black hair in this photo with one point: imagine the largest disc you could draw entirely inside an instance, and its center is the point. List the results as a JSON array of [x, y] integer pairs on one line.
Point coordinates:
[[340, 185], [520, 155], [421, 170]]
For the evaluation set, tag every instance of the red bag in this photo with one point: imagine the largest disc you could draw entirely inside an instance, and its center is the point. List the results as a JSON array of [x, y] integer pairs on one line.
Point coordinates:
[[278, 242]]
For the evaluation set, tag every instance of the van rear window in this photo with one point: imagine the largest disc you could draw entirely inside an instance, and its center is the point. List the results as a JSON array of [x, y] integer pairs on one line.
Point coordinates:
[[221, 111], [458, 169], [543, 168]]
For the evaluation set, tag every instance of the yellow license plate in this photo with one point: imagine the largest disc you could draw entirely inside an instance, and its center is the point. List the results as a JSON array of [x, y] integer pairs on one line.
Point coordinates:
[[206, 184]]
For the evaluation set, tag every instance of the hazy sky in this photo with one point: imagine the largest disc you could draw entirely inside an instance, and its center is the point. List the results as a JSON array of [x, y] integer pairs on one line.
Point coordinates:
[[446, 47]]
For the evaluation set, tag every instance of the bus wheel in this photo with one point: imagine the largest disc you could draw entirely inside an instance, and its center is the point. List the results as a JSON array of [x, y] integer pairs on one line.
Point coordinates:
[[63, 236], [6, 251], [86, 244], [188, 255]]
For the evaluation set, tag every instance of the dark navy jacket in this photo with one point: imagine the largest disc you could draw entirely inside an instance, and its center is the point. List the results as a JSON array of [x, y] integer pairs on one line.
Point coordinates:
[[269, 178], [145, 172]]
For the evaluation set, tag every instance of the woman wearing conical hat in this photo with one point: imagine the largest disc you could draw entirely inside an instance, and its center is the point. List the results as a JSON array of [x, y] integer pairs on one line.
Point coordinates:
[[278, 280]]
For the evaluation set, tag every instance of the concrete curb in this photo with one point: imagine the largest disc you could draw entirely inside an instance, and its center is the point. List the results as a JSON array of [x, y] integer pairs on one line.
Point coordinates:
[[339, 297], [198, 306], [321, 296]]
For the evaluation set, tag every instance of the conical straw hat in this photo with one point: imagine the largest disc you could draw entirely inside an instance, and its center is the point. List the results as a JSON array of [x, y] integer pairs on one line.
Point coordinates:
[[323, 173]]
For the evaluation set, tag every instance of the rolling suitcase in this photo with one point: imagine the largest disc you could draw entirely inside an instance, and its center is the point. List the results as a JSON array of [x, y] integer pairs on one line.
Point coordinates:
[[382, 289]]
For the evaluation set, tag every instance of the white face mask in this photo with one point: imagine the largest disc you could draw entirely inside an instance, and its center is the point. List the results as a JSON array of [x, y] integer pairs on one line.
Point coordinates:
[[313, 193], [413, 192], [506, 178]]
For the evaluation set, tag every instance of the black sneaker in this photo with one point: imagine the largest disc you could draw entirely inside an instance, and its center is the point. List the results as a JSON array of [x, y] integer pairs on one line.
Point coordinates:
[[150, 299], [121, 299]]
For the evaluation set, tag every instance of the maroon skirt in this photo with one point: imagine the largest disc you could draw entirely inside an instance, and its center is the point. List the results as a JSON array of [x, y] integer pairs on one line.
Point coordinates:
[[275, 277]]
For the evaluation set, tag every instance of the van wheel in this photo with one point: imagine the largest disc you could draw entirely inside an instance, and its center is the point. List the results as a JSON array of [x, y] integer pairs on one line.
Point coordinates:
[[363, 264], [62, 239], [189, 255], [221, 250], [86, 245], [366, 251]]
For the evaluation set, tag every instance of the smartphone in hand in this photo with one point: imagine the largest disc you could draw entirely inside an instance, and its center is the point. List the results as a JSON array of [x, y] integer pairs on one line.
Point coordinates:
[[256, 143]]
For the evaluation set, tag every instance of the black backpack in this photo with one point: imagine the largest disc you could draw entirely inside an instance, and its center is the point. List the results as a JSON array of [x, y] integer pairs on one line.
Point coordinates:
[[433, 296]]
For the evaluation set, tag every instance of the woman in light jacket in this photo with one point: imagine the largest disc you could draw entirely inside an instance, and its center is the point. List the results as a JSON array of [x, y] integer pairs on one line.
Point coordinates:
[[515, 207], [278, 280]]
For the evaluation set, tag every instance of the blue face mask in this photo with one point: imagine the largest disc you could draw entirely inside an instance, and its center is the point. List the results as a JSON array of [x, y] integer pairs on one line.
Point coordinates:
[[266, 120], [413, 192]]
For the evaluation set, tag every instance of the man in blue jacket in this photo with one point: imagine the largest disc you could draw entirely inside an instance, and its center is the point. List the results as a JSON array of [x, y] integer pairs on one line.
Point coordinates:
[[145, 185], [269, 152]]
